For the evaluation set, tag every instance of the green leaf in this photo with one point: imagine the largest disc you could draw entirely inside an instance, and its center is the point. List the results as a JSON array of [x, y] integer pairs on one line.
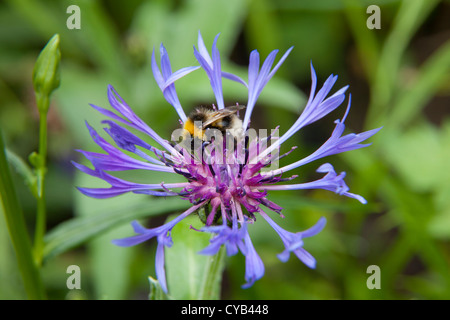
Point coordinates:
[[413, 212], [439, 226], [210, 286], [100, 39], [78, 230], [262, 28], [326, 5], [410, 16], [9, 275], [419, 147], [110, 264], [192, 276], [365, 39], [427, 81], [18, 233]]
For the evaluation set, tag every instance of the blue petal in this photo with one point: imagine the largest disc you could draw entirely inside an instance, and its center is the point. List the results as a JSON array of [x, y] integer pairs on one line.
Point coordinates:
[[132, 241], [315, 229], [254, 267], [257, 79], [306, 258], [159, 267]]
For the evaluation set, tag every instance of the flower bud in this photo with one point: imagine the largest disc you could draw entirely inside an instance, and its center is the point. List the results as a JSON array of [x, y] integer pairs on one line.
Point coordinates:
[[46, 76]]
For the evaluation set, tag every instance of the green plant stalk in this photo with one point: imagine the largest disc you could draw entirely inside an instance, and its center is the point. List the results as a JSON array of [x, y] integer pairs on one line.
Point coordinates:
[[41, 217], [46, 78], [18, 231], [211, 284]]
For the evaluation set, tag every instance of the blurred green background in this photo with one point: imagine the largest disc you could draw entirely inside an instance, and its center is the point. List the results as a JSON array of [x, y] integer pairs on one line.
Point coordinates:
[[399, 78]]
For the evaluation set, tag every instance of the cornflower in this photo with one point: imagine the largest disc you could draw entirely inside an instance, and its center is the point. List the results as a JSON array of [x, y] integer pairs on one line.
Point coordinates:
[[230, 183]]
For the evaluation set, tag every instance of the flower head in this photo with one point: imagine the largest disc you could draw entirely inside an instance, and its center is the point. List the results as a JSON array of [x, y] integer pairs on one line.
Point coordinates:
[[231, 176]]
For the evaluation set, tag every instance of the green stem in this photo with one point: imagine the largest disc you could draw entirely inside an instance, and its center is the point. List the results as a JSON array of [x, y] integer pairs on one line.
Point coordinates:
[[18, 231], [43, 103], [212, 278]]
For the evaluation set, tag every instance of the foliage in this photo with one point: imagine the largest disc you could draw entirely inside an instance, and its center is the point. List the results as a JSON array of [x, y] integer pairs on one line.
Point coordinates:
[[399, 77]]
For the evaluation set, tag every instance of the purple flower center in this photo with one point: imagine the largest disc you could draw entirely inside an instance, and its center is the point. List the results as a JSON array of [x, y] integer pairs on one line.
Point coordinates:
[[227, 176]]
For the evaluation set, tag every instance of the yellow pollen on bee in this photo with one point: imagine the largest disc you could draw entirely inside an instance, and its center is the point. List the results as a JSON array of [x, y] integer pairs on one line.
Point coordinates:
[[193, 130]]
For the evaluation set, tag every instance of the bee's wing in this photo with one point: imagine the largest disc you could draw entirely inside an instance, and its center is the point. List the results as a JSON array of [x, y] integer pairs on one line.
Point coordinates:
[[221, 114], [235, 108], [216, 116]]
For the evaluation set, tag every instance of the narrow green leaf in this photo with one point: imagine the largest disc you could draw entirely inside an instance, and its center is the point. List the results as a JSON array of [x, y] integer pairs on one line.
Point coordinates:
[[9, 275], [18, 231], [78, 230], [189, 274], [439, 226], [325, 5], [262, 27], [410, 16], [413, 212], [428, 81], [365, 39], [212, 277]]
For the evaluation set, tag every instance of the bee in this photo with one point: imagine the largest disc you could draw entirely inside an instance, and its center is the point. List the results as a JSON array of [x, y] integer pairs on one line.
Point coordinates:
[[204, 118]]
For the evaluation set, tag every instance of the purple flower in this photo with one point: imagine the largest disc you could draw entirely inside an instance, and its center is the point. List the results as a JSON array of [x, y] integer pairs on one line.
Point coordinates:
[[230, 179]]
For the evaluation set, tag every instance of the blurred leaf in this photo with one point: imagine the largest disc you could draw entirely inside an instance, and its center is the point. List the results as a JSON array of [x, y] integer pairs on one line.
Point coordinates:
[[439, 226], [365, 39], [100, 38], [418, 147], [42, 17], [329, 32], [410, 16], [430, 286], [424, 86], [262, 20], [413, 213], [78, 230], [45, 19], [188, 271], [326, 5], [110, 264], [11, 288], [96, 224], [74, 107]]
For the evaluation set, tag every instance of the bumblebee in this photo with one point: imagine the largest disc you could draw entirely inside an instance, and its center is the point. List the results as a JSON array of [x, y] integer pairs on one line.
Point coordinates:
[[225, 120]]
